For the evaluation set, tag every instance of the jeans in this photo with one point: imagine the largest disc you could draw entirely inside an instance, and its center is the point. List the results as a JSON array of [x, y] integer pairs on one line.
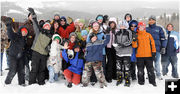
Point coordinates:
[[166, 60], [1, 61], [52, 75], [157, 64]]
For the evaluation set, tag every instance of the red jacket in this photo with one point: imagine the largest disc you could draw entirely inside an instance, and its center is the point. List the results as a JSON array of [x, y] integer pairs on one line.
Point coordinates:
[[64, 33]]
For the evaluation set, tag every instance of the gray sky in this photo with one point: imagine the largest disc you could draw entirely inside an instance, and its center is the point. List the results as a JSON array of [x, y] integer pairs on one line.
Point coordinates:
[[96, 6]]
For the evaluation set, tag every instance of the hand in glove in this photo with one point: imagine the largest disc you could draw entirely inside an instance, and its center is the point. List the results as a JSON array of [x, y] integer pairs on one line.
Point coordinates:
[[115, 45], [69, 20], [153, 56], [134, 36], [33, 14], [163, 50]]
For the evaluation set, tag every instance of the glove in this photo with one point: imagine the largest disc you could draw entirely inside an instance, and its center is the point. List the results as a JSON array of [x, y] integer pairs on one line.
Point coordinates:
[[153, 56], [115, 45], [69, 20], [178, 50], [134, 36], [163, 50], [31, 10]]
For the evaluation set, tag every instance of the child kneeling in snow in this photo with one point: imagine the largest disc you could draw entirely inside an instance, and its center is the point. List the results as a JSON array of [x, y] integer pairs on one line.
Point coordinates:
[[94, 58], [54, 62], [73, 72]]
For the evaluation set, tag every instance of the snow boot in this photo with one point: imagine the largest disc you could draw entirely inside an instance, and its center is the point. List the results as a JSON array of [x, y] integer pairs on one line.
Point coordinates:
[[69, 85]]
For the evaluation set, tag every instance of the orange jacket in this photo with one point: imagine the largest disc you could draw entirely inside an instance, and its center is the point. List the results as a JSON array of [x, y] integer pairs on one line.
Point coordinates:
[[145, 44]]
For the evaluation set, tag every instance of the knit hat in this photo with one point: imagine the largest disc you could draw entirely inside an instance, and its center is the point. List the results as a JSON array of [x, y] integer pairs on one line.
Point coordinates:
[[57, 15], [46, 24], [84, 33], [124, 23], [99, 17], [133, 22], [152, 17], [72, 34], [91, 21], [113, 19], [141, 24], [24, 30], [81, 21], [56, 36], [63, 18]]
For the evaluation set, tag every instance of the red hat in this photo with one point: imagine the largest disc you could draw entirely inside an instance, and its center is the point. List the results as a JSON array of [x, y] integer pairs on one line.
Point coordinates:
[[24, 30], [141, 24], [46, 24]]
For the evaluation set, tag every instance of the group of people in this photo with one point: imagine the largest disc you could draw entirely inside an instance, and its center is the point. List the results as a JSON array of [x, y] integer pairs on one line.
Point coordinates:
[[104, 50]]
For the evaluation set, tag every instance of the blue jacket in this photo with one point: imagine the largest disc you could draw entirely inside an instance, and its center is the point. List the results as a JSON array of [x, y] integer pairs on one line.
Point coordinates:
[[158, 35], [94, 51], [173, 43], [77, 65], [100, 36]]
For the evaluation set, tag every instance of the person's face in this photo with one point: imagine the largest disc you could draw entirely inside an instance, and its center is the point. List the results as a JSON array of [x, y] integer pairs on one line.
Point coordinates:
[[112, 25], [96, 27], [56, 17], [93, 39], [56, 25], [63, 22], [169, 27], [100, 20], [72, 39], [84, 37], [23, 33], [57, 41], [133, 27], [128, 18], [81, 25], [76, 23], [142, 28], [151, 21], [47, 27]]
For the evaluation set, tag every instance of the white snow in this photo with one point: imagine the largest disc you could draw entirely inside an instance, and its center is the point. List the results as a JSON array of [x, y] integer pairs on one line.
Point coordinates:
[[60, 88]]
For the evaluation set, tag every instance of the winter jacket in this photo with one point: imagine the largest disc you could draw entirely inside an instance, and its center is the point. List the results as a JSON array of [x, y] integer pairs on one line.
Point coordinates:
[[18, 42], [64, 33], [100, 36], [31, 35], [145, 44], [94, 51], [41, 40], [158, 36], [173, 43], [123, 41], [112, 38], [55, 59], [77, 64]]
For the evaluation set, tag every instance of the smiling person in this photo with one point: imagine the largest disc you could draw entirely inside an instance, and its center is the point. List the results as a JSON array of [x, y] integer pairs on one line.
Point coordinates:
[[146, 52]]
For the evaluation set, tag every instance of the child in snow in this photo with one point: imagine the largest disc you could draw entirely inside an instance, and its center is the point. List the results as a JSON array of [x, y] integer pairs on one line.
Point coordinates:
[[94, 58], [74, 71], [146, 52], [122, 44], [55, 61]]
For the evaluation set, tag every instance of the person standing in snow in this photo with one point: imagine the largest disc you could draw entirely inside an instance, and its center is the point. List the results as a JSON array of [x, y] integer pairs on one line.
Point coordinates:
[[16, 53], [160, 40], [145, 55], [54, 63], [122, 44], [110, 51], [94, 58], [133, 27], [172, 48], [40, 54]]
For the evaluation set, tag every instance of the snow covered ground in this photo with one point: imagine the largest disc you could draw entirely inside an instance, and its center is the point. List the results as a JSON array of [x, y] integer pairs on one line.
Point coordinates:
[[60, 88]]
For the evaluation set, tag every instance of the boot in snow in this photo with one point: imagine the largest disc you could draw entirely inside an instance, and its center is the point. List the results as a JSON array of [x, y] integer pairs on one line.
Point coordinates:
[[69, 85]]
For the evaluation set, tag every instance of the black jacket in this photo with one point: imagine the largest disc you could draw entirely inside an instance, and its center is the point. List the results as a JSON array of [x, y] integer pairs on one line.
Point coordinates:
[[17, 46]]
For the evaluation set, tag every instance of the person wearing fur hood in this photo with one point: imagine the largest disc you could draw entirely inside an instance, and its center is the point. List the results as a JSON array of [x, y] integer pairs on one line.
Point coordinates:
[[54, 62]]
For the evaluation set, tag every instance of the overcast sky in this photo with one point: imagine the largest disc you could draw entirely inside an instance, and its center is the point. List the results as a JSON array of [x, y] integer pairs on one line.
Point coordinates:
[[95, 6]]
